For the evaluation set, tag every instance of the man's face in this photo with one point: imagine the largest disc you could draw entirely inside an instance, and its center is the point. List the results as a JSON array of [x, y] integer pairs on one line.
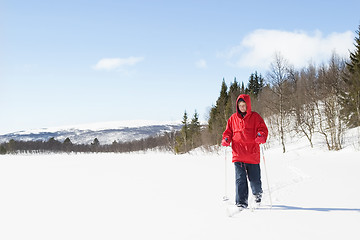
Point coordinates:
[[242, 106]]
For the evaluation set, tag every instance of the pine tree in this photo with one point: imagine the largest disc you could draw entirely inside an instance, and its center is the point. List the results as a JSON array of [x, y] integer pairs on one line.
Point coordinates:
[[351, 96], [194, 130], [95, 145], [96, 142], [234, 92], [260, 83], [256, 84], [218, 115], [182, 140], [222, 100], [185, 131], [252, 85], [242, 90], [67, 145], [67, 141]]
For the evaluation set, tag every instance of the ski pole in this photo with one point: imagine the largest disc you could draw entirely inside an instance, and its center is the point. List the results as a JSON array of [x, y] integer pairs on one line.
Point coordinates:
[[267, 178], [225, 197]]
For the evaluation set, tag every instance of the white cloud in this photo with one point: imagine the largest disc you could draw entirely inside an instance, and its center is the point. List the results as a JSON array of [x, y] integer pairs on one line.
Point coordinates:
[[258, 48], [201, 64], [116, 63]]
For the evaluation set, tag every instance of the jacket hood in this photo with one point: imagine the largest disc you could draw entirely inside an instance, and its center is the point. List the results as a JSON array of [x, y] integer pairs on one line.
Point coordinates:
[[247, 100]]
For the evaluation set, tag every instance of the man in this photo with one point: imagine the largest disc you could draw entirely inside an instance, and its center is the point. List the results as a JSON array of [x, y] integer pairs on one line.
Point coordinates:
[[246, 129]]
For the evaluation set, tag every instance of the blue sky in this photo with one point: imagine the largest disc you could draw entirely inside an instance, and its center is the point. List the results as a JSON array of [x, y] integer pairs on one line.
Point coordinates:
[[73, 62]]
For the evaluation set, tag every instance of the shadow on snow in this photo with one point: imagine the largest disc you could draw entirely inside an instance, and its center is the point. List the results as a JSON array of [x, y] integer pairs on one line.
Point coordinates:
[[284, 207]]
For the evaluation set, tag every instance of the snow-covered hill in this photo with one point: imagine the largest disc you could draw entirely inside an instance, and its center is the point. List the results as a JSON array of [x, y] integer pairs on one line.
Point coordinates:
[[106, 133]]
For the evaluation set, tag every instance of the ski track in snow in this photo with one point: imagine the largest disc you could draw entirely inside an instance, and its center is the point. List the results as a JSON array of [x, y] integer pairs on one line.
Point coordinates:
[[156, 195]]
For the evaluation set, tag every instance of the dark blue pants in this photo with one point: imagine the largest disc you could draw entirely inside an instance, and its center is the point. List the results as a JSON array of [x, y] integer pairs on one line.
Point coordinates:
[[243, 172]]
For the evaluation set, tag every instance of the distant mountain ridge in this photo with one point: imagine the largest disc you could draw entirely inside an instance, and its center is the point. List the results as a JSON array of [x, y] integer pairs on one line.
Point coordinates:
[[106, 133]]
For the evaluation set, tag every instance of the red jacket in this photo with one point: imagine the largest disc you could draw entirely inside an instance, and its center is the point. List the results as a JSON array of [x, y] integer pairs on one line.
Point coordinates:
[[242, 131]]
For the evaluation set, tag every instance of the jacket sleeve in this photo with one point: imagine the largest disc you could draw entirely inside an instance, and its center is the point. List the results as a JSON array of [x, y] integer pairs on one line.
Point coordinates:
[[262, 128], [228, 133]]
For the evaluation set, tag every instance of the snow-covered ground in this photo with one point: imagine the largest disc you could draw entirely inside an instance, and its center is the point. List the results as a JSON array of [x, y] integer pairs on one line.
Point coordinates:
[[155, 195]]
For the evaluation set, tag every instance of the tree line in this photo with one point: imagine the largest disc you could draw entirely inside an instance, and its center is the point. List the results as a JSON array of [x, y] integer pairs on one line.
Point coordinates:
[[162, 142], [323, 99]]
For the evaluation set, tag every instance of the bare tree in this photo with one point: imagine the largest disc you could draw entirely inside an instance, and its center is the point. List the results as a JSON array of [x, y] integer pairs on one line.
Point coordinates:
[[279, 102], [304, 104], [328, 107]]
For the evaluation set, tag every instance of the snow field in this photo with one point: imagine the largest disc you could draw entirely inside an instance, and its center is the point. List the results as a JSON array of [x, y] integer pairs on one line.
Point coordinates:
[[156, 195]]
